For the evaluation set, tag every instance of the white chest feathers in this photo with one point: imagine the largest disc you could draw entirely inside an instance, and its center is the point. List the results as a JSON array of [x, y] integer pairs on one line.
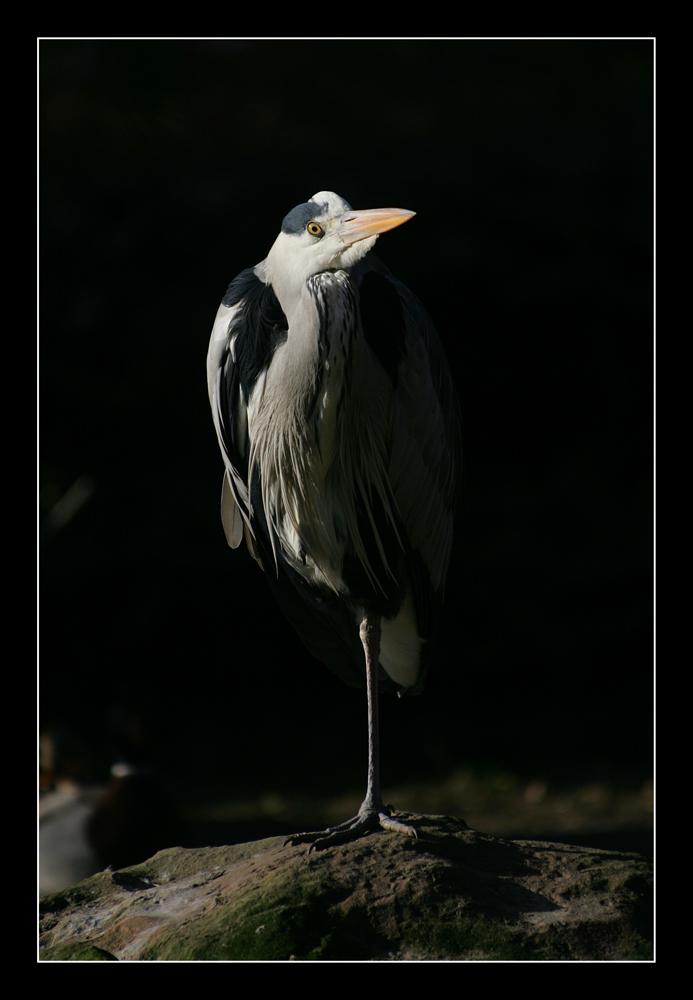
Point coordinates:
[[319, 429]]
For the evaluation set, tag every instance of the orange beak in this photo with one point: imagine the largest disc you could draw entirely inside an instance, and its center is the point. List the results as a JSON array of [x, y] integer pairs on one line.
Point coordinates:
[[360, 225]]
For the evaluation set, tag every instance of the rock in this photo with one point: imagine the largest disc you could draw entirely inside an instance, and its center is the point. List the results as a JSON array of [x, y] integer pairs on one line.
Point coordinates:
[[452, 894]]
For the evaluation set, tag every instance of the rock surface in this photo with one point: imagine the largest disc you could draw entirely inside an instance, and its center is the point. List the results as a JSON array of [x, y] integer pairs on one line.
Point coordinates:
[[452, 894]]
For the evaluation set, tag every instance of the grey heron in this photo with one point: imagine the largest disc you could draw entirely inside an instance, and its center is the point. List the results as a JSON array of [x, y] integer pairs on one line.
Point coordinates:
[[338, 424]]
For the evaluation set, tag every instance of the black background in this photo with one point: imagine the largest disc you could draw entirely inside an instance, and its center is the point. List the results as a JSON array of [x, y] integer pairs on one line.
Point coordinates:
[[165, 169]]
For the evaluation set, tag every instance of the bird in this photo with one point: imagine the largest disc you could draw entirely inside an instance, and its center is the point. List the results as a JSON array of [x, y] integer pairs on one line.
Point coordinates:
[[339, 427]]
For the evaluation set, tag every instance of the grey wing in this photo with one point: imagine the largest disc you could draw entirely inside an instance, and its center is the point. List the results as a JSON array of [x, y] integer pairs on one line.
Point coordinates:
[[425, 463], [229, 413]]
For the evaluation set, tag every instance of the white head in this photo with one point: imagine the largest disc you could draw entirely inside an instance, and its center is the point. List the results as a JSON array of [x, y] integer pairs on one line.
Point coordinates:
[[324, 234]]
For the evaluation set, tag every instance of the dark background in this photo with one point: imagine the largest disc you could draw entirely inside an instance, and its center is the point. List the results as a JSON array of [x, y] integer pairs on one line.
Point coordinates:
[[165, 169]]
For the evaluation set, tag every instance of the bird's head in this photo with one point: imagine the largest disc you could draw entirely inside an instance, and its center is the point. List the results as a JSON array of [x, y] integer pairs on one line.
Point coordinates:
[[325, 234]]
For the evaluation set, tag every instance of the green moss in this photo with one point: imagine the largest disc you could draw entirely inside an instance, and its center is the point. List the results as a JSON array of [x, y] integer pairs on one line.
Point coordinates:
[[465, 937], [281, 920]]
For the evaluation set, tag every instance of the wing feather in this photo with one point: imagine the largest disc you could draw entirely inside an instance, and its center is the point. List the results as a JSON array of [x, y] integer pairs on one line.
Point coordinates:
[[425, 458]]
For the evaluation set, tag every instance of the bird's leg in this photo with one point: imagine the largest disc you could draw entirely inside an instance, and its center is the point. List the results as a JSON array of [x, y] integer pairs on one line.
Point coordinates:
[[370, 633], [373, 811], [373, 803]]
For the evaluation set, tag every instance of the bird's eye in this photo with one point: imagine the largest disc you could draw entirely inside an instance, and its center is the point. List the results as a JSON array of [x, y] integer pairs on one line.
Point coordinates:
[[314, 229]]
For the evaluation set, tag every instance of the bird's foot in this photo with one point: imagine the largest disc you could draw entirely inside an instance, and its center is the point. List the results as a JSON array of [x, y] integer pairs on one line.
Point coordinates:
[[369, 818]]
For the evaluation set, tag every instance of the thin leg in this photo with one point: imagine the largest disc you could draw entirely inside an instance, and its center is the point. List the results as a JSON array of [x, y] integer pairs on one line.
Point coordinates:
[[373, 812]]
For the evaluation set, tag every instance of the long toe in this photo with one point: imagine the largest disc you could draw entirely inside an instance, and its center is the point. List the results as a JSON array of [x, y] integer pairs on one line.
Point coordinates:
[[310, 836], [394, 826]]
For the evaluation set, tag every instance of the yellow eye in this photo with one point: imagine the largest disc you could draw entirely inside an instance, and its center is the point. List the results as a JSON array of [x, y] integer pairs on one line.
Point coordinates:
[[314, 229]]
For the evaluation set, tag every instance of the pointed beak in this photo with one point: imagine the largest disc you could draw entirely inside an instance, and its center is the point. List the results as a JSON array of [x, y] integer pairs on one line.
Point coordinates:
[[361, 225]]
